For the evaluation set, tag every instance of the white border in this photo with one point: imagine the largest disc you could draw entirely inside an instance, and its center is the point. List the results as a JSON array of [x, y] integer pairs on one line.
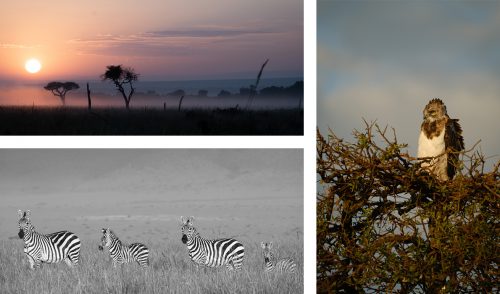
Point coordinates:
[[153, 142], [309, 145]]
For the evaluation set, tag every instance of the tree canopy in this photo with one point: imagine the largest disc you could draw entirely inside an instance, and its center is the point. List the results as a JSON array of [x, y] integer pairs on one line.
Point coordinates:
[[385, 225], [121, 76], [61, 88]]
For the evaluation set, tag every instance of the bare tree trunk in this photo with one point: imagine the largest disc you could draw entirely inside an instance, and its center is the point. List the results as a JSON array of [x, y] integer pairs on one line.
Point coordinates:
[[124, 97], [180, 103], [88, 97]]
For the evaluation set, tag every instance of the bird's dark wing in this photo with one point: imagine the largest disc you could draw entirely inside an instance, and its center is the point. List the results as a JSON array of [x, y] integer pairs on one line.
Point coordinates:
[[454, 143]]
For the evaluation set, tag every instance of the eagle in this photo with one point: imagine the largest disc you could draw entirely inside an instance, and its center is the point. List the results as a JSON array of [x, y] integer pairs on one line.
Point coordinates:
[[440, 137]]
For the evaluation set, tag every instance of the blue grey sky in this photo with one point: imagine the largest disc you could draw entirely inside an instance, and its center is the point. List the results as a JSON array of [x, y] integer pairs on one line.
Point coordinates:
[[383, 61]]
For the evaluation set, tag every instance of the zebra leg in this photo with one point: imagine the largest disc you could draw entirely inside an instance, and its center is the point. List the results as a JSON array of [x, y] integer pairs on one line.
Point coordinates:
[[68, 261], [32, 261], [235, 264]]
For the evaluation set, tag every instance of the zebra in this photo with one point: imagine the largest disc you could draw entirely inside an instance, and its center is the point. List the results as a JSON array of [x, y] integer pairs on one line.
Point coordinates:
[[122, 253], [286, 265], [50, 248], [211, 253]]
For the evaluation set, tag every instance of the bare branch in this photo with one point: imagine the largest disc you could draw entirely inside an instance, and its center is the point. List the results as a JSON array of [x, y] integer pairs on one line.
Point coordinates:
[[384, 224]]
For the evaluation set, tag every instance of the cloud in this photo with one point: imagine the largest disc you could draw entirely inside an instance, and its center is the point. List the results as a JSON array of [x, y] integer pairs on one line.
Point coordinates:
[[205, 33], [17, 46], [167, 42]]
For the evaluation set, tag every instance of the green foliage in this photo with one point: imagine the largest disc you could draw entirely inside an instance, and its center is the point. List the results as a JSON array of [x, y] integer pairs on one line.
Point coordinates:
[[385, 225], [170, 271]]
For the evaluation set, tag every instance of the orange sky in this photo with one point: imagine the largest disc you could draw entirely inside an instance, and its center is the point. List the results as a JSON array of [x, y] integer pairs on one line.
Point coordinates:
[[161, 39]]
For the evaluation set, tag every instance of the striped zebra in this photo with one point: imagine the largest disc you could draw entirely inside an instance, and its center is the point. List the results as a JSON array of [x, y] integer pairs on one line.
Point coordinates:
[[51, 248], [211, 253], [286, 265], [122, 253]]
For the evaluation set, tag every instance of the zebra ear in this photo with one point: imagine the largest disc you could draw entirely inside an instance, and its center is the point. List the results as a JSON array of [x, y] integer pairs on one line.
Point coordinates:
[[27, 214], [270, 245], [103, 230], [183, 221], [190, 220], [263, 245], [20, 213]]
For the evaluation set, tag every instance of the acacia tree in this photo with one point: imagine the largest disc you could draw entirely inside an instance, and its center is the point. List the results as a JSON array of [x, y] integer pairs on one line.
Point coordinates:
[[60, 89], [121, 76], [385, 225]]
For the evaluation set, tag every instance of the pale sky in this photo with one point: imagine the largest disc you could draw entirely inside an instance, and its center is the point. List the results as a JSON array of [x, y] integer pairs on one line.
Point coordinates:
[[384, 60], [161, 39]]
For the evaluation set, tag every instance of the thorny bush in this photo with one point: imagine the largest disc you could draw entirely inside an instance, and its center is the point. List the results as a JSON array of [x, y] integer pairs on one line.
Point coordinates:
[[385, 225]]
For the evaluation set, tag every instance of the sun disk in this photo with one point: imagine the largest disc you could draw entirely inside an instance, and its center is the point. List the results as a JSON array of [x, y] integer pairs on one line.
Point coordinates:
[[32, 65]]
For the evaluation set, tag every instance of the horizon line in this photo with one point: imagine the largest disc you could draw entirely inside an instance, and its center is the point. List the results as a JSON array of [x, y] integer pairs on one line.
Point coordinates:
[[150, 80]]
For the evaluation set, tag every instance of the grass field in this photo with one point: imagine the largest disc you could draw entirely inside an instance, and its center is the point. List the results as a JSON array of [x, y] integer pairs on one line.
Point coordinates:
[[170, 271], [148, 121]]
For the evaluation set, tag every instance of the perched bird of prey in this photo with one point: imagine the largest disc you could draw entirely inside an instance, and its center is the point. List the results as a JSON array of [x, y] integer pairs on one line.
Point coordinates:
[[440, 136]]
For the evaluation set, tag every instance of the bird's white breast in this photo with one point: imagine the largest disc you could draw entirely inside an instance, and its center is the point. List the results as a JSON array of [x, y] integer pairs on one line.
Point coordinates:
[[431, 147]]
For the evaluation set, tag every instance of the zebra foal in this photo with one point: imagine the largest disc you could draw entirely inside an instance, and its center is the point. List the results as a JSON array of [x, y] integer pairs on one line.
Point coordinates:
[[211, 253], [122, 253], [50, 248], [286, 265]]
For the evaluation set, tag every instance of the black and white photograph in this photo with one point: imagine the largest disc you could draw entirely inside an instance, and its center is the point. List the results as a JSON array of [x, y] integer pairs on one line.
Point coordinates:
[[152, 221]]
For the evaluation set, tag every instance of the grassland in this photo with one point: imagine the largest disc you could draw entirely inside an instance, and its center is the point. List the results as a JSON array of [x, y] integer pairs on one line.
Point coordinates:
[[170, 271], [148, 121]]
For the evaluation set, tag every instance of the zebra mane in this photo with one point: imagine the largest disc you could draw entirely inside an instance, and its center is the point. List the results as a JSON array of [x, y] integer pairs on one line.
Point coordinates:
[[116, 238], [24, 214]]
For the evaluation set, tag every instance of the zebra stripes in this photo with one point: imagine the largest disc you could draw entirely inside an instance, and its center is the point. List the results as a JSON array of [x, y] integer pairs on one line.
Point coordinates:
[[121, 253], [51, 248], [286, 265], [211, 253], [64, 245]]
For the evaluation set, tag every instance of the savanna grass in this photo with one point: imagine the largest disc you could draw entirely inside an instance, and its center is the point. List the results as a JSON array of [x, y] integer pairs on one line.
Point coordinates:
[[148, 121], [170, 271]]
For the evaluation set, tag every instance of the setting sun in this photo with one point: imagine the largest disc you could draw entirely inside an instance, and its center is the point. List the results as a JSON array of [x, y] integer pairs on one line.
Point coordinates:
[[32, 65]]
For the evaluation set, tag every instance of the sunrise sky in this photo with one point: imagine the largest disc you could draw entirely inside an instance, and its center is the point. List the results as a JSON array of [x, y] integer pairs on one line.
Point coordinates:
[[161, 39]]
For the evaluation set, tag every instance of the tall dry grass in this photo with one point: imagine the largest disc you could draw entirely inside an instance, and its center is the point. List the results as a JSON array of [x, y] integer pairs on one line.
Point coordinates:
[[148, 121], [170, 271]]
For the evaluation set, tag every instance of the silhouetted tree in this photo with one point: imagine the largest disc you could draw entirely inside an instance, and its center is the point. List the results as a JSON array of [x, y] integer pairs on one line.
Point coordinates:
[[223, 93], [60, 89], [245, 91], [121, 76], [272, 91], [297, 89], [177, 93]]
